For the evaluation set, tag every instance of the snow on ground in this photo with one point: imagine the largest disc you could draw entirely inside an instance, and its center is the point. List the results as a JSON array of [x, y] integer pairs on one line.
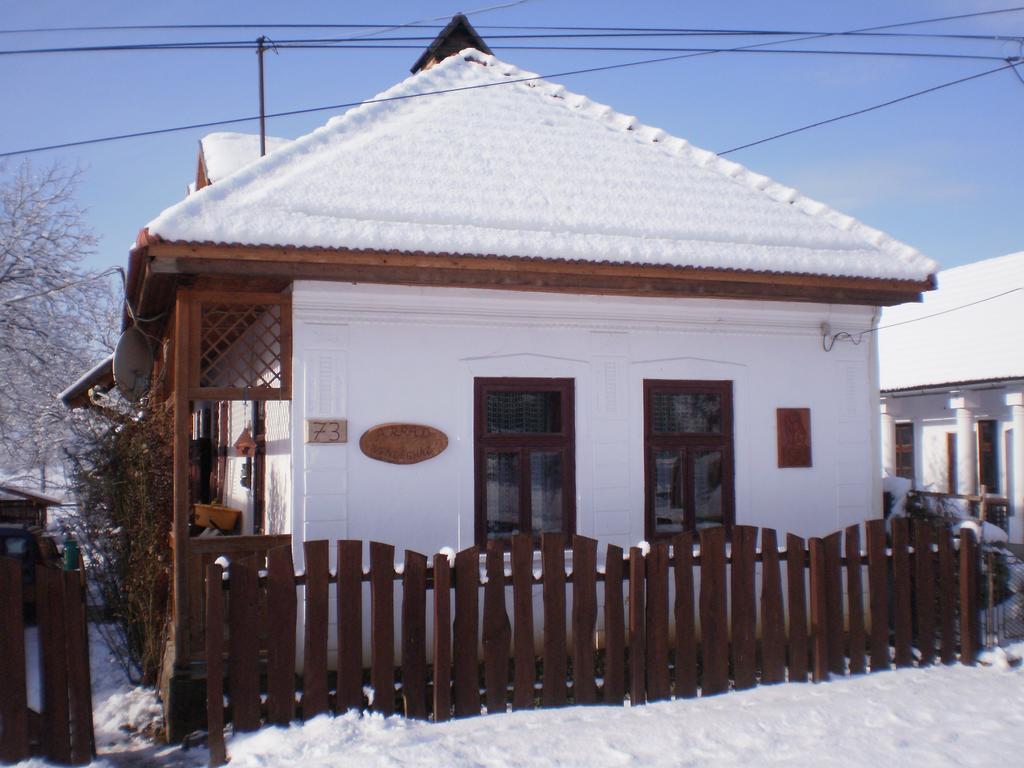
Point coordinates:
[[940, 716]]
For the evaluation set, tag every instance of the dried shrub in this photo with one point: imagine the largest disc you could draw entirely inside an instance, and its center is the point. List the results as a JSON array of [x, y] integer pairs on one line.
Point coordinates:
[[122, 473]]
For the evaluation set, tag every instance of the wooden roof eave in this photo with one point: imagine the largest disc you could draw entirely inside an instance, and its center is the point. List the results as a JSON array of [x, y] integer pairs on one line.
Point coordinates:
[[168, 259]]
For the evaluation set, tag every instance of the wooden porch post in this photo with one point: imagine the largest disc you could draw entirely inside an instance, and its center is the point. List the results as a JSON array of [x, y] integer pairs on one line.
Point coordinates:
[[179, 525]]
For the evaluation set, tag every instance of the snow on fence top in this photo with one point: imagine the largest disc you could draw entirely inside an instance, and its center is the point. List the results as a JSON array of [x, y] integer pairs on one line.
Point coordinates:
[[978, 342], [528, 169]]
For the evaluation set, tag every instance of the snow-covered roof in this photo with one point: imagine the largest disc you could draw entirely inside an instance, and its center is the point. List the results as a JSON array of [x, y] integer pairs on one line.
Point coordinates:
[[225, 152], [503, 163], [980, 342], [14, 493]]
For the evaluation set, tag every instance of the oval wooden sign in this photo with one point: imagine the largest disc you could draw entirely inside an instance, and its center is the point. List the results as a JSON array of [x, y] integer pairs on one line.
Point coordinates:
[[402, 443]]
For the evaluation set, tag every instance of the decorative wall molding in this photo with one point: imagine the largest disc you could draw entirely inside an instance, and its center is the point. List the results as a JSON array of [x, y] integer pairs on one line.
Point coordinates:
[[316, 302]]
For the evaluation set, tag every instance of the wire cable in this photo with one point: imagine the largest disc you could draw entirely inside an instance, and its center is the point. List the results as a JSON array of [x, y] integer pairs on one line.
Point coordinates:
[[837, 118], [829, 340], [298, 45], [421, 25], [309, 110]]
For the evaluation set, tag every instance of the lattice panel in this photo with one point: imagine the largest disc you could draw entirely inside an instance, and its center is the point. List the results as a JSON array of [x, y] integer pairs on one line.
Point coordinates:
[[241, 346]]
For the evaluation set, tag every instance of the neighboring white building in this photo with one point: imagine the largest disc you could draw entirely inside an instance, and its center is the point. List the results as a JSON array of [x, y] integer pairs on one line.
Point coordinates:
[[952, 385]]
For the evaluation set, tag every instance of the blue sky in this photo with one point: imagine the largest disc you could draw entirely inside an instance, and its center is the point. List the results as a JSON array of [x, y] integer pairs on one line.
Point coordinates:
[[941, 172]]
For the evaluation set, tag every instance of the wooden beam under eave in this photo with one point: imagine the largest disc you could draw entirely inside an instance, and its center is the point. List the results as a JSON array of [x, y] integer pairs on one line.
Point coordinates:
[[181, 435], [557, 277]]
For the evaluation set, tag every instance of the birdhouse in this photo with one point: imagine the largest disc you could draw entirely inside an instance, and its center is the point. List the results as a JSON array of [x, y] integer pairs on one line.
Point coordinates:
[[245, 445]]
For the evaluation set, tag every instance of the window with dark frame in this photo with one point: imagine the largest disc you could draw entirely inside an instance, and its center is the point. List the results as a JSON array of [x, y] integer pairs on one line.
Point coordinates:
[[688, 446], [905, 451], [988, 456], [525, 457]]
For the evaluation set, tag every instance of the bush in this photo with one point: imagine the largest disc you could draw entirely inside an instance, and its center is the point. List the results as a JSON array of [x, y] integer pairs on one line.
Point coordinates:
[[122, 475]]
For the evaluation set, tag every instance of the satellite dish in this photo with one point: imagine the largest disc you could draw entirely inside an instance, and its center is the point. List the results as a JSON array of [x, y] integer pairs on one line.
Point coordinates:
[[133, 364]]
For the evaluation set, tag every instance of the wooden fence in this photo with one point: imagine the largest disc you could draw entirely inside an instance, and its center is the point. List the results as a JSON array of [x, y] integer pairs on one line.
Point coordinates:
[[62, 731], [814, 619]]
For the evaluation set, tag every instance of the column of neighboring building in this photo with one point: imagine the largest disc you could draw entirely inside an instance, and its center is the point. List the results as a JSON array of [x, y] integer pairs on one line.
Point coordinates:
[[1015, 468], [888, 439], [966, 446]]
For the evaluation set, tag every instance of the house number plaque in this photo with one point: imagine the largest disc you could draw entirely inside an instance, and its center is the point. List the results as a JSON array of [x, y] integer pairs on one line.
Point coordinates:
[[403, 443], [326, 431]]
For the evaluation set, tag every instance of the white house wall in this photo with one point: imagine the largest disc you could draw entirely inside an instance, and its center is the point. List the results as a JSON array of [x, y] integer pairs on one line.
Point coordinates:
[[277, 484], [376, 354]]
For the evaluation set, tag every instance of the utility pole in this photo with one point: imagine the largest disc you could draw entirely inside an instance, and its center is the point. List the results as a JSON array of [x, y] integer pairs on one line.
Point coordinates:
[[260, 49]]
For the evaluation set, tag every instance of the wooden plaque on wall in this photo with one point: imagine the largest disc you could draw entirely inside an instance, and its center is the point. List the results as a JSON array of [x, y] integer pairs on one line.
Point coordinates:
[[402, 443], [793, 426]]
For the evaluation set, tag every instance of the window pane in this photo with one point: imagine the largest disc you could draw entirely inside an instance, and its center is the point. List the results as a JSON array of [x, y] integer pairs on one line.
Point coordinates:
[[15, 547], [707, 487], [546, 491], [669, 508], [517, 412], [501, 493], [676, 412]]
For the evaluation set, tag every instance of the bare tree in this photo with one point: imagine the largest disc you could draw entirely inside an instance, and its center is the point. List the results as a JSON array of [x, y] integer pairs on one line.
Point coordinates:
[[56, 318]]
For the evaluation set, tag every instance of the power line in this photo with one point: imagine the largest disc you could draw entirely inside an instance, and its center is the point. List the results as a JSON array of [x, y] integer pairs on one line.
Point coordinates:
[[587, 70], [298, 45], [422, 25], [248, 43], [1010, 65]]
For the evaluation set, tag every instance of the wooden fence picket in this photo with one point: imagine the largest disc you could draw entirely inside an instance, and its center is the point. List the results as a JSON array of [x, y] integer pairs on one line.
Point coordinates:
[[773, 617], [243, 643], [414, 635], [744, 609], [833, 545], [584, 618], [442, 698], [79, 678], [14, 742], [349, 599], [497, 632], [714, 629], [215, 663], [970, 630], [553, 690], [796, 593], [466, 633], [281, 613], [524, 661], [382, 627], [855, 600], [659, 681], [878, 594], [614, 691], [314, 663], [924, 591], [902, 604], [947, 596], [686, 639], [637, 628], [819, 610], [56, 735]]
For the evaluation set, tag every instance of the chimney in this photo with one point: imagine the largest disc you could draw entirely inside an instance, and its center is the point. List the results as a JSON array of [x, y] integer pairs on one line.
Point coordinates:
[[453, 38]]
